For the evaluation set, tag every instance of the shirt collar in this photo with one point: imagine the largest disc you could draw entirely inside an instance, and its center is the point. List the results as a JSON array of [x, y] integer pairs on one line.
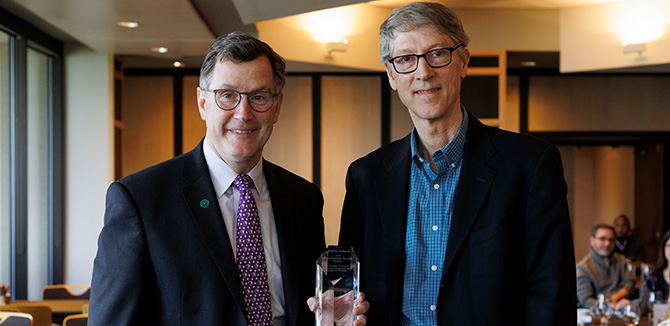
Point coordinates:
[[600, 260], [223, 175], [452, 151]]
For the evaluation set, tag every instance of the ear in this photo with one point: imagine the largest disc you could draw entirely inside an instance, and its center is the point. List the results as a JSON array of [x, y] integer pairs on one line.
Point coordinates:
[[278, 102], [389, 73], [201, 103], [464, 69]]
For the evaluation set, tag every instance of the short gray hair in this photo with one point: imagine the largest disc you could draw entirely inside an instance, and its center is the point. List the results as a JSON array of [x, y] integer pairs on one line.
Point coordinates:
[[242, 47], [420, 14]]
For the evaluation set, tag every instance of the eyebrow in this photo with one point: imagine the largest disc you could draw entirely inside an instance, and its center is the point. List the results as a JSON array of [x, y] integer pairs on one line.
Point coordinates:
[[260, 89], [432, 46]]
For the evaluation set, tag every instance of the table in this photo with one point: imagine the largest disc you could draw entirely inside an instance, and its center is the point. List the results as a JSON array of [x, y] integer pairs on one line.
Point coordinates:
[[59, 308], [644, 321], [68, 306]]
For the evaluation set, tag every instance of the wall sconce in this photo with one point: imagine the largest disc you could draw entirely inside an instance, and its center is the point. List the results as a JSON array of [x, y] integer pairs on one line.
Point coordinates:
[[336, 46], [635, 47]]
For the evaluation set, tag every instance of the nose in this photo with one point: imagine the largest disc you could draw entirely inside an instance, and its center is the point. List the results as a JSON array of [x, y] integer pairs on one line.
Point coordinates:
[[423, 70], [243, 111]]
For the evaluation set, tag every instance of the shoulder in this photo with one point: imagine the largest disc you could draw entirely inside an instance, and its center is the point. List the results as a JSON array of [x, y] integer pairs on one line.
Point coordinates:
[[166, 172], [504, 140], [387, 155], [584, 262], [620, 258]]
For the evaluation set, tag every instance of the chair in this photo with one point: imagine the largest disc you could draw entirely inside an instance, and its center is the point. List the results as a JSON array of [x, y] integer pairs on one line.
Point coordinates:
[[76, 320], [11, 318], [66, 291], [42, 315]]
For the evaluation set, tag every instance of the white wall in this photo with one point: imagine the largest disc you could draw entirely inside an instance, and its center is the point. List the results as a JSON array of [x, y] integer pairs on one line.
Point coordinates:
[[89, 155]]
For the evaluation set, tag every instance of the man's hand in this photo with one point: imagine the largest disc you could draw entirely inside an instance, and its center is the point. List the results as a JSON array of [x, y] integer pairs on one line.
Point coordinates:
[[619, 295], [342, 315]]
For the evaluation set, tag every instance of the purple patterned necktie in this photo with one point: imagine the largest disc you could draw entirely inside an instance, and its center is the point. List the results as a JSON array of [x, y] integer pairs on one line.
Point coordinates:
[[251, 257]]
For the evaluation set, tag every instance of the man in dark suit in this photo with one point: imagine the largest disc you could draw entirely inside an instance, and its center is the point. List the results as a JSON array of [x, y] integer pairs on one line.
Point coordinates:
[[458, 223], [169, 250]]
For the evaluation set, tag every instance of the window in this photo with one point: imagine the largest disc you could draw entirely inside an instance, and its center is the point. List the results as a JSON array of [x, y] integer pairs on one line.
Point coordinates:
[[31, 158], [5, 249]]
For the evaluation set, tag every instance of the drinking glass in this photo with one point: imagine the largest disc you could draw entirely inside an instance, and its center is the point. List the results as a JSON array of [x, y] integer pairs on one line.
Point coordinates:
[[631, 314], [606, 310]]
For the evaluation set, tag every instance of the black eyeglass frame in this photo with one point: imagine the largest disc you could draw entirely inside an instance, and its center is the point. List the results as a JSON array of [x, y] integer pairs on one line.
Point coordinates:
[[239, 99], [418, 56]]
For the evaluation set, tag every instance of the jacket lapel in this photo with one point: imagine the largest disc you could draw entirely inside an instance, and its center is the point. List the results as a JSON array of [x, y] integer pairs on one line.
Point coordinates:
[[282, 209], [473, 186], [202, 201], [391, 191]]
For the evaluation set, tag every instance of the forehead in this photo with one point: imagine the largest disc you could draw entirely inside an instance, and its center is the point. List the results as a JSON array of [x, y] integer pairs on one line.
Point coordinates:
[[604, 233], [620, 221], [421, 39], [242, 75]]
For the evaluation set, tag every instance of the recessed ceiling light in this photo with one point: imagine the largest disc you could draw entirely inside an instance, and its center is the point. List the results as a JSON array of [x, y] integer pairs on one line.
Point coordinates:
[[178, 64], [160, 49], [129, 24], [528, 63]]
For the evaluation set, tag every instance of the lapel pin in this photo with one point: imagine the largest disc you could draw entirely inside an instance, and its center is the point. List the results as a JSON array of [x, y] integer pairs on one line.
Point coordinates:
[[204, 203]]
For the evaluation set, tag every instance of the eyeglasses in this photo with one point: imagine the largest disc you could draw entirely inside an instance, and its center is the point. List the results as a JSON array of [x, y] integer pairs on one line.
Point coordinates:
[[438, 58], [229, 99]]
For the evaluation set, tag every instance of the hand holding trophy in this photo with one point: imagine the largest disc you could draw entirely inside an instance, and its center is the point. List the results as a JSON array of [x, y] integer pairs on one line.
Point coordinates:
[[337, 284]]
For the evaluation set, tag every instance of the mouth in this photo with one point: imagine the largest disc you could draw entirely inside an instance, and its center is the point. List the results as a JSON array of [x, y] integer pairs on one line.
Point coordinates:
[[240, 131], [426, 91]]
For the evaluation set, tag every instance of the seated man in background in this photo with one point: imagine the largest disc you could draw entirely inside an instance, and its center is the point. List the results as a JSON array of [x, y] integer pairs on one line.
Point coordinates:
[[604, 271], [628, 242]]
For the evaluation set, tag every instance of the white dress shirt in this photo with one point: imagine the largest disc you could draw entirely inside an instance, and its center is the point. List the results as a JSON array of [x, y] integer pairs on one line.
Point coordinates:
[[229, 196]]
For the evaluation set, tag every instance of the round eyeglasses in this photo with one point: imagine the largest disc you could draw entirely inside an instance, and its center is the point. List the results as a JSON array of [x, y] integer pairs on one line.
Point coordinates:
[[438, 58], [229, 99]]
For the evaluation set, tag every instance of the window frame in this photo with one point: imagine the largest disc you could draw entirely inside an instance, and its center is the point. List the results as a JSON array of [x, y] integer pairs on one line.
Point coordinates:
[[24, 35]]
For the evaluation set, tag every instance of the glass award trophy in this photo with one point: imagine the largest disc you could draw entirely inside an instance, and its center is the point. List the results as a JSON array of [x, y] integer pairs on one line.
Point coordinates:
[[337, 285]]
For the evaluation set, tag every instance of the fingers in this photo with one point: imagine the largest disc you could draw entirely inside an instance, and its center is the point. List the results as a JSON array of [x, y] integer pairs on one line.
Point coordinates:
[[361, 297], [311, 303], [360, 305], [361, 320]]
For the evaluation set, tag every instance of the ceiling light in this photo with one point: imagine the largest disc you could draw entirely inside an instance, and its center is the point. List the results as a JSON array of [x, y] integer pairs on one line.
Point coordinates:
[[178, 64], [128, 24], [528, 63], [160, 49]]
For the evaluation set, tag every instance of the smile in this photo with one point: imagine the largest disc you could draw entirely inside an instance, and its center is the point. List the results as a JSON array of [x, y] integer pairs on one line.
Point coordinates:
[[241, 131], [427, 91]]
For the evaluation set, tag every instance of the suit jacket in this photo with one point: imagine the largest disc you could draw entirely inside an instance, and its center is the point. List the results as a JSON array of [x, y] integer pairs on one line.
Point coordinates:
[[164, 257], [509, 257]]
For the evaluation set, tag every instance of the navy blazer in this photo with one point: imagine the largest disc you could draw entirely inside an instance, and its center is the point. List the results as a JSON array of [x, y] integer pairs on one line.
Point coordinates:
[[509, 258], [164, 257]]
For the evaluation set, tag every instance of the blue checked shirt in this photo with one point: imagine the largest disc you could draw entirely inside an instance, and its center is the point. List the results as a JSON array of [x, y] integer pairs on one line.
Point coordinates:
[[428, 221]]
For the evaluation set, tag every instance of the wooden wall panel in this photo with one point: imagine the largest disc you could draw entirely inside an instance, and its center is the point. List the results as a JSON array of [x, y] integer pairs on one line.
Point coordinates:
[[351, 128], [599, 103], [290, 145], [194, 127], [401, 122], [148, 131], [601, 184]]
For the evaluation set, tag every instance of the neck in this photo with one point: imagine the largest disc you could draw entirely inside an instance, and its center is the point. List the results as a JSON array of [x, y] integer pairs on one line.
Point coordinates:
[[437, 133]]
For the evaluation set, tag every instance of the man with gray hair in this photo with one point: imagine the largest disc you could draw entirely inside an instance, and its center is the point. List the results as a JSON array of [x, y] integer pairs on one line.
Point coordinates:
[[458, 223], [603, 271], [217, 236]]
